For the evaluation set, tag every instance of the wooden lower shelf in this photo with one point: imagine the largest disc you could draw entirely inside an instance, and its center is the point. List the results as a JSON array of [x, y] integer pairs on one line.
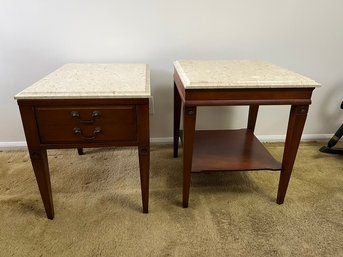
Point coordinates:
[[230, 150]]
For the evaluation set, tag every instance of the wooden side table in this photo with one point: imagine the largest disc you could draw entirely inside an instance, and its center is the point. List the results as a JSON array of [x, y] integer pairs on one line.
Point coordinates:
[[225, 83], [87, 105]]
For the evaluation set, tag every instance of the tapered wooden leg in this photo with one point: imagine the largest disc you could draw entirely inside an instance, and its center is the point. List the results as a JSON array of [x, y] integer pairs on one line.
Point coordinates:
[[38, 156], [295, 128], [189, 133], [80, 151], [177, 115], [144, 159], [253, 110], [144, 153], [40, 166]]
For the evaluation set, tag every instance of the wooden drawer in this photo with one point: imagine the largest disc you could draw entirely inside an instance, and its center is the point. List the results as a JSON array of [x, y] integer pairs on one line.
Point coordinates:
[[87, 124]]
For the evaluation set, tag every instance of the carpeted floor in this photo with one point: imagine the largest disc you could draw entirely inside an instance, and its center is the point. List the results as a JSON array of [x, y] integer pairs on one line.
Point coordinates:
[[98, 207]]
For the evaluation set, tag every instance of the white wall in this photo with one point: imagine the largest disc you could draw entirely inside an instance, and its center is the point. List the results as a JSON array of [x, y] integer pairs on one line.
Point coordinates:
[[38, 36]]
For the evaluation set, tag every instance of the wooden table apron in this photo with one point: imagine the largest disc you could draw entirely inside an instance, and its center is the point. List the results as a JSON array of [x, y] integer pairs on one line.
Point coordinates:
[[298, 98], [40, 136]]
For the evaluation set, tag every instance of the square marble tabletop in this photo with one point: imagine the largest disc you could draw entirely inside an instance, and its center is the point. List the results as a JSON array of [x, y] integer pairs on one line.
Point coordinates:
[[78, 81], [196, 74]]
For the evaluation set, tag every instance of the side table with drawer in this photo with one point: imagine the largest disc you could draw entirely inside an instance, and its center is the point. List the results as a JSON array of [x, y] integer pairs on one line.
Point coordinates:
[[87, 105]]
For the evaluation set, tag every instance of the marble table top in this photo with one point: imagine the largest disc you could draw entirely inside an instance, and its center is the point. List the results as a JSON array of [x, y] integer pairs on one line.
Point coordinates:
[[196, 74], [78, 81]]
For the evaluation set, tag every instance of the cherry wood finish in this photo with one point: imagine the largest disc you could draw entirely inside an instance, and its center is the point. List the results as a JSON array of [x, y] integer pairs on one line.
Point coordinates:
[[50, 124], [206, 151], [38, 157], [189, 119], [230, 150], [297, 118], [57, 125], [253, 110]]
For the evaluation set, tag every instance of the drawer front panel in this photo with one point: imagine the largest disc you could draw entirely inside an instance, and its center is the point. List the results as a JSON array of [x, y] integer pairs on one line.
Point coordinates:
[[87, 124]]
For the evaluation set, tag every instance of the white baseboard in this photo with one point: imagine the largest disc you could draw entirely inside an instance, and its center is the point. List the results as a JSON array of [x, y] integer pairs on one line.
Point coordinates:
[[13, 145], [161, 140], [169, 140], [304, 138], [262, 138]]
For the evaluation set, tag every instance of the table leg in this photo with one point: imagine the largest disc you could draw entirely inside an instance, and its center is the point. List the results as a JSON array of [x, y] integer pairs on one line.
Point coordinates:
[[80, 151], [295, 128], [253, 110], [38, 157], [39, 160], [144, 153], [177, 115], [189, 119]]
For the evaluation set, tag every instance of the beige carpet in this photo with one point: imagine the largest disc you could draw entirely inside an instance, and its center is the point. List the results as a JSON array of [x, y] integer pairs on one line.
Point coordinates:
[[98, 207]]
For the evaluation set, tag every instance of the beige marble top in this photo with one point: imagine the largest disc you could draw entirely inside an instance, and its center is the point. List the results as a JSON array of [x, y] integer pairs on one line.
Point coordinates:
[[77, 81], [196, 74]]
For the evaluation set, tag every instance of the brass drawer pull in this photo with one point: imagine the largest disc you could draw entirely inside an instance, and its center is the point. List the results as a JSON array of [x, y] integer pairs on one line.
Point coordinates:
[[78, 131], [95, 115]]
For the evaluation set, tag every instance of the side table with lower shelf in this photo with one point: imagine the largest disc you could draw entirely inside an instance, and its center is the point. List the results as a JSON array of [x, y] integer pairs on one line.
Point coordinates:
[[228, 83], [87, 105]]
